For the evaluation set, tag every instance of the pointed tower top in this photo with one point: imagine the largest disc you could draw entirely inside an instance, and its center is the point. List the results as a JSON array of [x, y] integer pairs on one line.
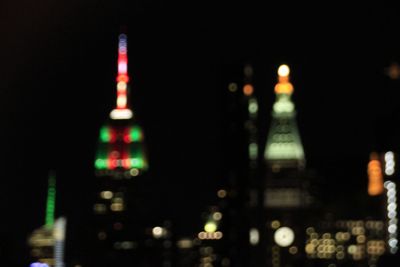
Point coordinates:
[[284, 148], [122, 111]]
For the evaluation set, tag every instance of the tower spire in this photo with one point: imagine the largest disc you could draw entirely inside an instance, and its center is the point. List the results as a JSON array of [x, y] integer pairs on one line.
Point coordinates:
[[51, 199], [284, 148], [122, 111]]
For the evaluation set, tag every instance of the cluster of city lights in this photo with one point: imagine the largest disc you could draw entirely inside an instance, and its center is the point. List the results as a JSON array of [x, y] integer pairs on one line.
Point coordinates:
[[207, 257], [127, 134], [120, 147], [356, 240], [213, 235], [391, 194], [126, 163], [389, 163]]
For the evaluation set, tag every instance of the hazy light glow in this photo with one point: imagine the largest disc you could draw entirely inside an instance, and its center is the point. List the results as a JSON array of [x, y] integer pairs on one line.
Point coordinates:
[[105, 134], [107, 194], [158, 232], [210, 227], [248, 89], [121, 101], [222, 193], [207, 235], [254, 236], [38, 264], [283, 70], [389, 163], [391, 213], [375, 185], [217, 216], [121, 114], [284, 236]]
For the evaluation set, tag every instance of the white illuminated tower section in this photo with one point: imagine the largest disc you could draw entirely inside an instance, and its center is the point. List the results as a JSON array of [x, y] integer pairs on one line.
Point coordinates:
[[284, 148]]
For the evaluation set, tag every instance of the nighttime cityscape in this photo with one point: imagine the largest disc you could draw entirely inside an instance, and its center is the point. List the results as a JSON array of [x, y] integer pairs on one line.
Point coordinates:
[[147, 133]]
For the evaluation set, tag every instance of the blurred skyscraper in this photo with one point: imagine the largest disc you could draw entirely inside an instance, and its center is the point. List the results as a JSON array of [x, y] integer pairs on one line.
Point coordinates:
[[47, 242], [120, 160]]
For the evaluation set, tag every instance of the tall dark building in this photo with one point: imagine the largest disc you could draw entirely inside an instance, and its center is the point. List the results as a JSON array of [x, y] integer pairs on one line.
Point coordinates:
[[120, 160], [286, 198]]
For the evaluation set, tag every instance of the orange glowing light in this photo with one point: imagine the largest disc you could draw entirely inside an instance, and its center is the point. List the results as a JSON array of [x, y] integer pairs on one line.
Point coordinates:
[[283, 86], [248, 89], [375, 185]]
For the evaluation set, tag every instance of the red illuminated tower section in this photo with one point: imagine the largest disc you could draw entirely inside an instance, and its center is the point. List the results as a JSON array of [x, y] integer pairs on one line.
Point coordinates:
[[120, 160]]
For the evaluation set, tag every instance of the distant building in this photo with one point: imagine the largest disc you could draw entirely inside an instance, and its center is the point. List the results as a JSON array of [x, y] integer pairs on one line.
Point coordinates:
[[47, 242], [273, 214]]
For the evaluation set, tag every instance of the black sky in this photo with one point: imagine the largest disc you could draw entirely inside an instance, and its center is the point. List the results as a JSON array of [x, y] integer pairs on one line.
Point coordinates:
[[57, 71]]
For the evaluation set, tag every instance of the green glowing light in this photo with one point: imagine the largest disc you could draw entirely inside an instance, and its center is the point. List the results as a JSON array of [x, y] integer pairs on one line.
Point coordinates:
[[105, 135], [253, 106], [253, 150], [101, 164], [51, 197], [137, 163], [284, 146], [136, 134]]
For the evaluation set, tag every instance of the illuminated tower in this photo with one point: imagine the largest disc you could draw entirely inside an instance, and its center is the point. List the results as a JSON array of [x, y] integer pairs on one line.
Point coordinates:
[[284, 148], [121, 151], [47, 242], [120, 159], [286, 191]]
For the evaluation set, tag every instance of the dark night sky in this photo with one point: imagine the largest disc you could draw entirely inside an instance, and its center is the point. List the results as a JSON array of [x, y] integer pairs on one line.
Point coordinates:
[[57, 71]]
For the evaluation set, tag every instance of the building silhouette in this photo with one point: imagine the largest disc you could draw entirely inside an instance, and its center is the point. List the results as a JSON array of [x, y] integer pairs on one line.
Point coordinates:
[[120, 160]]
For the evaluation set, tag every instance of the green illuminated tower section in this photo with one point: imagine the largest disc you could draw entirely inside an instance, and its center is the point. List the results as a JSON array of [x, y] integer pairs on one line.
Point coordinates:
[[284, 148], [51, 198]]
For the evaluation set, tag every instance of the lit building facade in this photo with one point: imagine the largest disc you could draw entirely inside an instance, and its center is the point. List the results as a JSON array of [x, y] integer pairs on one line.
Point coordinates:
[[287, 202]]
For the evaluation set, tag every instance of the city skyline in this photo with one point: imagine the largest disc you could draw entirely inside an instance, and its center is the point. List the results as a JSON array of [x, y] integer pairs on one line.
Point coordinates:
[[61, 87]]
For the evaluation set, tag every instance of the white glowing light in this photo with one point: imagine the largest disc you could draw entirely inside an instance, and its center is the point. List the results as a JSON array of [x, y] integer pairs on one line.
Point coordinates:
[[284, 236], [391, 213], [121, 101], [158, 232], [392, 228], [254, 236], [107, 194], [389, 171], [389, 156], [121, 87], [283, 70], [393, 242], [121, 114], [122, 67]]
